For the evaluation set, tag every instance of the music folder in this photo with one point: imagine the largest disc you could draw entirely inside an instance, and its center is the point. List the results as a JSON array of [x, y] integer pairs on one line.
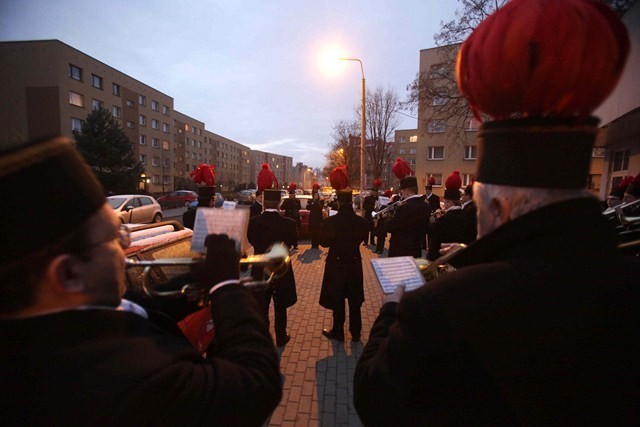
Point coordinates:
[[396, 270], [232, 222]]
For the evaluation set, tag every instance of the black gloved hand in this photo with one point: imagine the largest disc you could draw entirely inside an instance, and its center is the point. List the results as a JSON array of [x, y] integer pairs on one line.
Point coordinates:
[[222, 261]]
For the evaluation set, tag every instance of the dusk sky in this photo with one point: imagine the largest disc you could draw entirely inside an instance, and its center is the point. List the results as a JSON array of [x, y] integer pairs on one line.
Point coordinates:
[[249, 70]]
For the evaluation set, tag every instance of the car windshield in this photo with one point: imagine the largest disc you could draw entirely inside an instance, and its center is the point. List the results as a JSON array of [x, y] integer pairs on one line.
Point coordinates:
[[116, 202]]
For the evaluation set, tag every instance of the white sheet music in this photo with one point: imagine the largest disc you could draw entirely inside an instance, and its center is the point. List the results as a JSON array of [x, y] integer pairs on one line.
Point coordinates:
[[233, 223], [394, 271]]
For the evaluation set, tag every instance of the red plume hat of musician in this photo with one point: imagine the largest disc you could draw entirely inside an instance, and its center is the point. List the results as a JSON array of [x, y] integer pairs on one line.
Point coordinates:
[[452, 186], [204, 174], [339, 179], [634, 187], [266, 178], [401, 168], [539, 68], [292, 187], [377, 183], [315, 187]]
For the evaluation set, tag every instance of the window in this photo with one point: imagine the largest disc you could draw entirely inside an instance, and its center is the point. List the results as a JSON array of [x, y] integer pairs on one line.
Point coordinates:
[[96, 104], [439, 99], [155, 142], [412, 151], [165, 145], [165, 127], [436, 126], [142, 120], [436, 153], [75, 72], [155, 179], [594, 182], [143, 139], [598, 152], [402, 151], [413, 138], [193, 142], [471, 124], [130, 103], [142, 100], [143, 159], [117, 113], [438, 71], [186, 141], [470, 152], [76, 124], [96, 81], [621, 160], [467, 178], [193, 156], [76, 99], [115, 88], [165, 162], [130, 124], [437, 177], [155, 124], [155, 160], [412, 162], [402, 139], [165, 110], [155, 106]]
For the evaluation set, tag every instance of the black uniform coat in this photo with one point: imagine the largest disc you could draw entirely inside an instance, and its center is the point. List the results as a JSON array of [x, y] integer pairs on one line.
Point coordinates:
[[541, 326], [291, 208], [343, 233], [255, 209], [264, 230], [316, 208], [102, 367], [408, 228], [434, 202], [471, 223], [449, 228]]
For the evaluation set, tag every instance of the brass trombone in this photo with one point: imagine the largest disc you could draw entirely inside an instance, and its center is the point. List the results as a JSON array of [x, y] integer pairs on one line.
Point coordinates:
[[276, 262]]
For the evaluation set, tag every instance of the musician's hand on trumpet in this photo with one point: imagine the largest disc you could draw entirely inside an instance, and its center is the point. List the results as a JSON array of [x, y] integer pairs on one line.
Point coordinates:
[[445, 248]]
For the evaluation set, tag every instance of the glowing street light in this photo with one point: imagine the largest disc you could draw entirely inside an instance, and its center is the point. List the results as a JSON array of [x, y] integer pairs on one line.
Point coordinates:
[[362, 124]]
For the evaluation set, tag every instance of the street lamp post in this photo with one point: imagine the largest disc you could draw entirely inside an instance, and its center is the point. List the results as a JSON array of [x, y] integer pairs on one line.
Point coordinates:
[[362, 125]]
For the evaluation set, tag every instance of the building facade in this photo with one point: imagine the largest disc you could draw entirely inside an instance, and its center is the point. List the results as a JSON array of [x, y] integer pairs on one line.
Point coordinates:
[[49, 88]]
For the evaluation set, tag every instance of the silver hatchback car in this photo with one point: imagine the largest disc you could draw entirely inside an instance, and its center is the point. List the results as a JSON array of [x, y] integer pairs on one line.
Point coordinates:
[[135, 208]]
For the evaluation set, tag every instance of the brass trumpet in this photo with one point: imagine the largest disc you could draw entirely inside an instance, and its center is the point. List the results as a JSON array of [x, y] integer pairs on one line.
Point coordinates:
[[432, 269], [276, 262]]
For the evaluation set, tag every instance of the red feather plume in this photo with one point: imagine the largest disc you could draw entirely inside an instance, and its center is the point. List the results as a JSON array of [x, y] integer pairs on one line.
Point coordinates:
[[339, 178], [401, 168], [266, 178], [453, 182], [204, 174], [432, 180], [377, 183]]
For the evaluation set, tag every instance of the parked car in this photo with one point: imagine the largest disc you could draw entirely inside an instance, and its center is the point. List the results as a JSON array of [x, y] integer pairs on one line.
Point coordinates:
[[135, 208], [177, 199], [218, 203], [245, 197], [304, 214]]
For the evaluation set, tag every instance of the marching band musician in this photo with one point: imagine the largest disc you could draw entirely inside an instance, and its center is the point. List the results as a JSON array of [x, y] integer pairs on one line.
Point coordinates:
[[632, 192], [470, 212], [368, 206], [256, 207], [316, 215], [432, 199], [449, 227], [264, 230], [343, 279], [409, 223], [70, 356], [291, 207], [532, 328]]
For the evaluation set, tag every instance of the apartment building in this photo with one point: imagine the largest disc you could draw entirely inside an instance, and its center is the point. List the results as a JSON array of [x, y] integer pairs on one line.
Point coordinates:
[[49, 88], [233, 163], [619, 136]]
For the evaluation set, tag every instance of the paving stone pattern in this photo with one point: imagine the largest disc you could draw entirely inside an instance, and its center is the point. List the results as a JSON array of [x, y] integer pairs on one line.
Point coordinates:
[[318, 384]]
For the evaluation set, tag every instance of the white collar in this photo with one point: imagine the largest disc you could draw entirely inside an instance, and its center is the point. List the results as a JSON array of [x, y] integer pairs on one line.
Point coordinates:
[[454, 208], [466, 203]]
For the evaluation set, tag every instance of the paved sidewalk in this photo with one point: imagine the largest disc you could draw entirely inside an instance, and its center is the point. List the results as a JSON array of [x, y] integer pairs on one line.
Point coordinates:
[[318, 387]]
